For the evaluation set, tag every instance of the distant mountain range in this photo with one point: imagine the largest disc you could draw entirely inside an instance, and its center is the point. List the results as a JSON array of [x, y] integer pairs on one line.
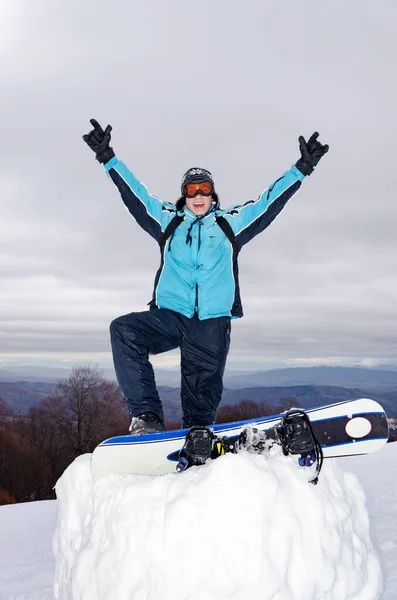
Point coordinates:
[[381, 375], [54, 374], [23, 387], [384, 377]]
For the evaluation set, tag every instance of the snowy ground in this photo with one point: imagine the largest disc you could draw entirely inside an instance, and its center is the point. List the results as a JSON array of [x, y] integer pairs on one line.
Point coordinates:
[[377, 474], [26, 532], [26, 559]]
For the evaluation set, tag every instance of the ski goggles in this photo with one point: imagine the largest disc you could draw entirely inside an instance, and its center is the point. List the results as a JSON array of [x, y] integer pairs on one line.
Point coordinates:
[[205, 188]]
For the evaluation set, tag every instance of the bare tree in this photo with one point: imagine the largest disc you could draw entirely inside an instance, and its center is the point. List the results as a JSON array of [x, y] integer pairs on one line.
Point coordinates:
[[86, 407], [35, 448]]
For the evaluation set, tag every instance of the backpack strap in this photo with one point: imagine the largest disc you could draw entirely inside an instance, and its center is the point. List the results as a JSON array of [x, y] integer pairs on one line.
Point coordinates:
[[220, 221], [229, 233], [169, 230]]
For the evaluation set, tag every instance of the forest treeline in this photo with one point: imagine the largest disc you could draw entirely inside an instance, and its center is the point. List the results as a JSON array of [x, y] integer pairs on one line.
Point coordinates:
[[82, 411]]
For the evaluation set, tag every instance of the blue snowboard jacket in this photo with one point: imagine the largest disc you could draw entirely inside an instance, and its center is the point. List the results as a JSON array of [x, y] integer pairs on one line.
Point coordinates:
[[199, 269]]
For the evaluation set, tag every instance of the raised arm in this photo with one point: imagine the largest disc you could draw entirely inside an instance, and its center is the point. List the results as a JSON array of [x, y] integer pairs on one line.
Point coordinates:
[[149, 212], [251, 218]]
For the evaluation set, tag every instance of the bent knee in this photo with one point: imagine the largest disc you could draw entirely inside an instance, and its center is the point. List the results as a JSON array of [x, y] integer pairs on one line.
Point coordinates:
[[114, 325], [121, 323]]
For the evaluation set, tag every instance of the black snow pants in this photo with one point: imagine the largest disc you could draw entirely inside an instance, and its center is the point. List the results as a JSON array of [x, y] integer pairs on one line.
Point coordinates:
[[204, 347]]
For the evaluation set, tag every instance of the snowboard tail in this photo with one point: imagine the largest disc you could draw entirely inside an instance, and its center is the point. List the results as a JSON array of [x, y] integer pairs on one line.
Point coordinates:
[[342, 429]]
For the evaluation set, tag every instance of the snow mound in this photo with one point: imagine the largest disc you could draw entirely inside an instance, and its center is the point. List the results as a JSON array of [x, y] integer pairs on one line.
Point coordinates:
[[240, 527]]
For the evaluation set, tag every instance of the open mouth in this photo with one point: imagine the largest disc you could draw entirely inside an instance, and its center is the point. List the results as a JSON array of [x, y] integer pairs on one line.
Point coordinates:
[[198, 204]]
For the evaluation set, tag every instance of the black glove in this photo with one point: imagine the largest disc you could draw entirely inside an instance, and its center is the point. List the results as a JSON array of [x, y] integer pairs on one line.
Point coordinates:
[[311, 153], [98, 140]]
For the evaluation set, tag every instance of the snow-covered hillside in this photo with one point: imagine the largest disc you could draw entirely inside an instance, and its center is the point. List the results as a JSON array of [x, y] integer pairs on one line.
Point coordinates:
[[26, 559], [241, 527]]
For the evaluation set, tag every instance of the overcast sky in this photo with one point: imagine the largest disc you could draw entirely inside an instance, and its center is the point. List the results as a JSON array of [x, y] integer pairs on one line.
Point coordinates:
[[223, 84]]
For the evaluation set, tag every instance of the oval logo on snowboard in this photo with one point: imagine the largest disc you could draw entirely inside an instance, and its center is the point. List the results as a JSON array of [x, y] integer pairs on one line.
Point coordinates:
[[358, 427]]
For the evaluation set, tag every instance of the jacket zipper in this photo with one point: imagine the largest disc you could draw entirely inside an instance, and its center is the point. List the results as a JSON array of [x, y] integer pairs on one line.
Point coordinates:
[[199, 244]]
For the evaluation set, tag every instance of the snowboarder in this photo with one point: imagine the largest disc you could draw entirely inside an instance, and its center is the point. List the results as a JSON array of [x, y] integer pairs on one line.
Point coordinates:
[[196, 289]]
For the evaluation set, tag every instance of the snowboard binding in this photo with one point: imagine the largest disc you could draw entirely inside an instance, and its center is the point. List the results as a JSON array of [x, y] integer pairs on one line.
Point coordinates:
[[297, 437], [294, 434], [200, 445]]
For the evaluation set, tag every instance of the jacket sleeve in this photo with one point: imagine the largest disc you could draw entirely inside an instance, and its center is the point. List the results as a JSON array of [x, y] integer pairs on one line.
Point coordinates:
[[251, 218], [149, 212]]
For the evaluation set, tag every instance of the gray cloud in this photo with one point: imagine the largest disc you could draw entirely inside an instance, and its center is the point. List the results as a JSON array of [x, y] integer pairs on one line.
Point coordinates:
[[218, 84]]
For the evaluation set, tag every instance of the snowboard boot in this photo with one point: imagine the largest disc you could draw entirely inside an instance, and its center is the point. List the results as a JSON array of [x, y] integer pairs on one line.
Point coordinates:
[[200, 445], [146, 422]]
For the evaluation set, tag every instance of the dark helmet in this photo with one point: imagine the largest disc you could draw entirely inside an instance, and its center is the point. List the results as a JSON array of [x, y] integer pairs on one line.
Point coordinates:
[[196, 175]]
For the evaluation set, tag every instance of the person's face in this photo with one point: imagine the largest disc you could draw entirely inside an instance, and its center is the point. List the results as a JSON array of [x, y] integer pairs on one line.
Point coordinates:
[[199, 196], [199, 205]]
